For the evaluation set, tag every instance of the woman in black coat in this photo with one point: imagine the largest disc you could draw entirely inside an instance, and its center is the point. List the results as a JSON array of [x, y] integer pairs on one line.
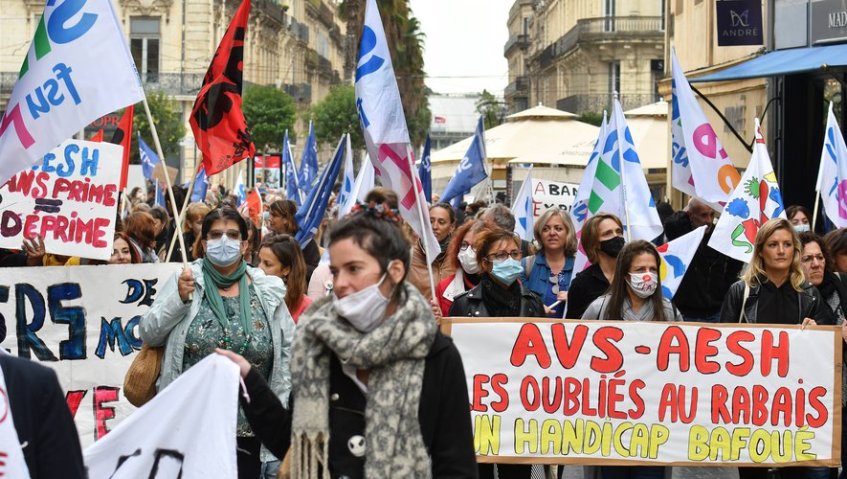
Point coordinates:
[[370, 371]]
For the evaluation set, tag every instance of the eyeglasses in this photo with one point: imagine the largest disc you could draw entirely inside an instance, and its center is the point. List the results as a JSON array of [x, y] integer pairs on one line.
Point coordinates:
[[502, 256], [465, 245], [231, 234], [809, 258]]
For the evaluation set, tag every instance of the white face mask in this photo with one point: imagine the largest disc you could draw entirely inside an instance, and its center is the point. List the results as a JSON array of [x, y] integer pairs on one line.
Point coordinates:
[[224, 251], [467, 258], [643, 284], [802, 228], [365, 309]]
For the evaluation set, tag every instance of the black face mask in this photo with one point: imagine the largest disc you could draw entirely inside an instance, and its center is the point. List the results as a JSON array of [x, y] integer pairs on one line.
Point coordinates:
[[612, 246]]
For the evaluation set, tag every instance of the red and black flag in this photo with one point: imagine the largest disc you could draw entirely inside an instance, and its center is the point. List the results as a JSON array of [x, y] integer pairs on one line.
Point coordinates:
[[98, 137], [216, 119], [123, 137]]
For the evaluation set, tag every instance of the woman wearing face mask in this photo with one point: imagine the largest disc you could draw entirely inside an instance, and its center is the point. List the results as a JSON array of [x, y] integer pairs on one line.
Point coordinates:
[[634, 295], [280, 255], [548, 272], [799, 217], [499, 294], [443, 221], [281, 221], [463, 256], [369, 367], [602, 239], [220, 302]]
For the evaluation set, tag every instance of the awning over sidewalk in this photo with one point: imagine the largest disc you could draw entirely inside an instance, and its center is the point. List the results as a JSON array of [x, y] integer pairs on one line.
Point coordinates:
[[782, 62]]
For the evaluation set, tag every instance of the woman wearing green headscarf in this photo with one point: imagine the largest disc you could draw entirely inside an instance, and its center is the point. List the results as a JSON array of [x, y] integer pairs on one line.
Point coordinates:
[[221, 302]]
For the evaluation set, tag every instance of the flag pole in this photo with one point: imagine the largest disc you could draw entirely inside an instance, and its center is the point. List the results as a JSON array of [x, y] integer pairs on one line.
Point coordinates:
[[167, 174], [178, 222], [409, 155], [815, 212]]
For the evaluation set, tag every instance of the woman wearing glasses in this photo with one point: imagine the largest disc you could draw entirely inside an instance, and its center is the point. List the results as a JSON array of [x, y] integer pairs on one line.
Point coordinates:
[[548, 272], [221, 302], [499, 294]]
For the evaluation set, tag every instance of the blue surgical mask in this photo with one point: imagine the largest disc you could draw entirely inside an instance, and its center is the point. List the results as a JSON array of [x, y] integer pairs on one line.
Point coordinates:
[[224, 251], [507, 271]]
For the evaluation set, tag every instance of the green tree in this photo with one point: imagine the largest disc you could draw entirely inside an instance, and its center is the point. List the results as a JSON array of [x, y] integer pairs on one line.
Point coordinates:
[[591, 117], [268, 111], [336, 114], [490, 108], [169, 124]]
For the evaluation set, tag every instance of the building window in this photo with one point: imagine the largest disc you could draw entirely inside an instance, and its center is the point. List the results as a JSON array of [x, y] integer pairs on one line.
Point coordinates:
[[614, 80], [144, 45], [609, 13], [525, 25]]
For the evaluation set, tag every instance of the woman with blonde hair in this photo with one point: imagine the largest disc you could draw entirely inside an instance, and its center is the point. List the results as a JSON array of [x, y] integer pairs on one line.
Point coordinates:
[[548, 272]]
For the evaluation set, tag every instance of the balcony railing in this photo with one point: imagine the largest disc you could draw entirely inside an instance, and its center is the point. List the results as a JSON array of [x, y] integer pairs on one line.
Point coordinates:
[[516, 41], [596, 103], [601, 29], [519, 86]]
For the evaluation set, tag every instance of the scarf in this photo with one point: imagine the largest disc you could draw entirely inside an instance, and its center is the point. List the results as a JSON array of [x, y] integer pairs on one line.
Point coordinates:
[[499, 301], [395, 354], [213, 279], [646, 312]]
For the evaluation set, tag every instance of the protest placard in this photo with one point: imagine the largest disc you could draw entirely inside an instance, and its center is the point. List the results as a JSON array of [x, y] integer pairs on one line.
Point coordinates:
[[69, 198], [616, 392], [82, 321], [552, 194]]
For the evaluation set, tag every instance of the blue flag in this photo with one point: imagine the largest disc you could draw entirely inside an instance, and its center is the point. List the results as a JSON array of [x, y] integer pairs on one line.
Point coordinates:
[[148, 158], [292, 186], [471, 169], [308, 162], [425, 171], [201, 184], [160, 194], [240, 191], [311, 213]]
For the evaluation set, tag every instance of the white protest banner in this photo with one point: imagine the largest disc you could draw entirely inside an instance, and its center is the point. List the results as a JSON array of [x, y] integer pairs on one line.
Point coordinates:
[[626, 392], [82, 321], [552, 194], [69, 199], [186, 431]]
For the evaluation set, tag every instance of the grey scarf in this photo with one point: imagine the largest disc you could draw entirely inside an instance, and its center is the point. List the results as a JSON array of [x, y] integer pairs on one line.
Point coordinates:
[[394, 353]]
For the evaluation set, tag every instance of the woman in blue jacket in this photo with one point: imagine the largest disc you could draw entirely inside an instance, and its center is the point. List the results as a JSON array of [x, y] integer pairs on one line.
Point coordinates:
[[548, 272]]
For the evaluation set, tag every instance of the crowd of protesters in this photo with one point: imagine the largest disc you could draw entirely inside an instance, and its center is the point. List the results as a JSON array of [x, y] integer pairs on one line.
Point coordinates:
[[319, 330]]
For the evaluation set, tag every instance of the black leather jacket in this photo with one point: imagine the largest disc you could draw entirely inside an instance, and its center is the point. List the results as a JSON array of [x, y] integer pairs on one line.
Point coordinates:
[[470, 304], [809, 300]]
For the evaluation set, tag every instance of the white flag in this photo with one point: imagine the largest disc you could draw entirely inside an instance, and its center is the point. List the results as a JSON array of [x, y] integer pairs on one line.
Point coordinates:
[[701, 166], [78, 69], [346, 197], [676, 256], [580, 211], [187, 430], [832, 175], [522, 208], [755, 200], [384, 127]]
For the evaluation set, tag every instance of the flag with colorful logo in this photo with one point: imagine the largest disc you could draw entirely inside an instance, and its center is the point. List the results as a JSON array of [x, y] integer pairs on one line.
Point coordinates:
[[62, 85], [832, 174], [471, 169], [292, 186], [425, 170], [755, 200], [676, 256], [579, 209], [217, 120], [384, 127], [310, 215], [701, 166], [123, 136], [346, 200], [522, 208], [308, 162]]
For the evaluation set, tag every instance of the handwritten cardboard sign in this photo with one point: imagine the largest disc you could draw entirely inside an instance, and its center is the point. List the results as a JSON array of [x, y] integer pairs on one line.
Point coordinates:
[[651, 393], [552, 194], [69, 198]]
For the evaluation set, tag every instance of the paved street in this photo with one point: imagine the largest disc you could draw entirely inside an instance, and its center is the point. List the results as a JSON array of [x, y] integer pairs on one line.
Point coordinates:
[[575, 472]]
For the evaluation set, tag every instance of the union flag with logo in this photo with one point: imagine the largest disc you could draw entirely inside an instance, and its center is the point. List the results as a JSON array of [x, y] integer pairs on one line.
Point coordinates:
[[217, 120]]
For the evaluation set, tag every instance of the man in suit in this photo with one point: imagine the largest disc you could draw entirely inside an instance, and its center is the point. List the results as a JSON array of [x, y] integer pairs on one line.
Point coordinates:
[[42, 419]]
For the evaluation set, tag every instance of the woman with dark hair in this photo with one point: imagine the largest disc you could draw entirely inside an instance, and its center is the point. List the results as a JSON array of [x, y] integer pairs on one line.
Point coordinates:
[[221, 302], [254, 242], [162, 222], [774, 290], [462, 255], [280, 255], [602, 240], [122, 251], [499, 294], [369, 367], [140, 228], [800, 217], [548, 272], [281, 221], [443, 221], [836, 243]]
